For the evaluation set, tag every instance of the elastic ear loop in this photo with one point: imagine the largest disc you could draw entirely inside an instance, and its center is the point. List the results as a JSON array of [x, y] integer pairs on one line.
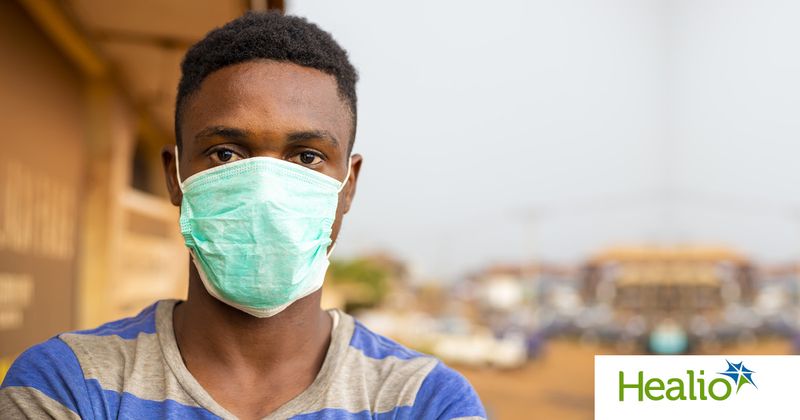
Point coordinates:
[[178, 168], [346, 178]]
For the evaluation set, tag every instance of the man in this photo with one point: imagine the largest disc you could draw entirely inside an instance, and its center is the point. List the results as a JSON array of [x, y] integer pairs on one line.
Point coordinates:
[[265, 121]]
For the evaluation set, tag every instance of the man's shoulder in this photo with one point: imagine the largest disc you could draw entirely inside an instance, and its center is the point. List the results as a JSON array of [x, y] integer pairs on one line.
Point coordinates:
[[50, 356], [46, 376], [446, 393], [59, 352], [439, 391], [62, 352], [126, 328], [75, 373], [376, 346]]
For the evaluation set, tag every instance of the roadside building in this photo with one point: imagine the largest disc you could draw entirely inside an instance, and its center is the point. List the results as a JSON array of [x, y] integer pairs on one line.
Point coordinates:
[[686, 288], [86, 232]]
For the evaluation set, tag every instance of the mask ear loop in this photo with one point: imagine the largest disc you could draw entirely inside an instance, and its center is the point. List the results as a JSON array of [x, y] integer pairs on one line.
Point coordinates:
[[178, 168], [191, 253], [347, 178]]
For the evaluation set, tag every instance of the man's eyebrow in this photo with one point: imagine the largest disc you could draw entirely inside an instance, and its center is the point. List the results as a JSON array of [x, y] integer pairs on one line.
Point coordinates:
[[222, 131], [312, 134]]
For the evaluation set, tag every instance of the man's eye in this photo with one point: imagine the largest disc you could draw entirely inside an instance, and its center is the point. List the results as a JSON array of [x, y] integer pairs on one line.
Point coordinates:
[[309, 158], [224, 156]]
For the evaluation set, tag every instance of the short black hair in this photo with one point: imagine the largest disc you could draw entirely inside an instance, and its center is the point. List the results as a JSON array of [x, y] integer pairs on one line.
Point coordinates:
[[271, 36]]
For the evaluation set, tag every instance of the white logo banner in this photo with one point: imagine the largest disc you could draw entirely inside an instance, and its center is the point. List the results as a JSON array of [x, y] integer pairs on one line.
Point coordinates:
[[696, 387]]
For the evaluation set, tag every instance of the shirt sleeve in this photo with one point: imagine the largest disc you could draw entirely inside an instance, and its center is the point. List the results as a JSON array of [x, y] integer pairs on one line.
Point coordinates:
[[445, 394], [46, 381]]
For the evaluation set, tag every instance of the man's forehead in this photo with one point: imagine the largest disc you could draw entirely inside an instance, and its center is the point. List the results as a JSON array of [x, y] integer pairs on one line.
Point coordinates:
[[267, 92], [271, 73]]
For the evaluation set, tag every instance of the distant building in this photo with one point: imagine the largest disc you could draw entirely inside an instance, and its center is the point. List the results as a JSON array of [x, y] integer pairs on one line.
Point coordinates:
[[678, 285]]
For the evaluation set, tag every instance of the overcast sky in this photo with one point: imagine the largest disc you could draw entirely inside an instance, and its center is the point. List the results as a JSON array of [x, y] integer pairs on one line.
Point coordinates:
[[551, 129]]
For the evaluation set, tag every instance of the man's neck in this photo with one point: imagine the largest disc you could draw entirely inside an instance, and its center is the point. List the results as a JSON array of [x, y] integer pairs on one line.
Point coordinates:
[[219, 343]]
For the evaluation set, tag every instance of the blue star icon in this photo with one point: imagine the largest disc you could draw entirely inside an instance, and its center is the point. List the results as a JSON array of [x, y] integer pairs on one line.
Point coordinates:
[[740, 375]]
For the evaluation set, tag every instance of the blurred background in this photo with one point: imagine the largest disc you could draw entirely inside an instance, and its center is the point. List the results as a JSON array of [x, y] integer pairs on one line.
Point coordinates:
[[544, 181]]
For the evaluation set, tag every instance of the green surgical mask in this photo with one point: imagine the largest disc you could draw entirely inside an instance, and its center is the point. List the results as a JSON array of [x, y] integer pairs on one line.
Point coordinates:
[[258, 230]]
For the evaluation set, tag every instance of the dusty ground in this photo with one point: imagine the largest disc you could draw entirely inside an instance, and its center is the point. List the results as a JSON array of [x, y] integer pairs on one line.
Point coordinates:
[[560, 384]]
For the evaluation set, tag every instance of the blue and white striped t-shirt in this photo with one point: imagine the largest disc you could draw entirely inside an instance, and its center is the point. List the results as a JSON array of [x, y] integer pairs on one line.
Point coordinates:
[[132, 369]]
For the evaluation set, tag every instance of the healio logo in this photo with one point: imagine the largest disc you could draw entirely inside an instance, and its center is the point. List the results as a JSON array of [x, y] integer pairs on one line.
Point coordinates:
[[692, 386]]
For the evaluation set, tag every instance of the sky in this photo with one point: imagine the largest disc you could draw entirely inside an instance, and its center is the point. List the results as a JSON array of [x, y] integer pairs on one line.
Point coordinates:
[[512, 131]]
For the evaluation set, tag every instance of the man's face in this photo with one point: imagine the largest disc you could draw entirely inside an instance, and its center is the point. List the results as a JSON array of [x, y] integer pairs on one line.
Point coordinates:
[[266, 108]]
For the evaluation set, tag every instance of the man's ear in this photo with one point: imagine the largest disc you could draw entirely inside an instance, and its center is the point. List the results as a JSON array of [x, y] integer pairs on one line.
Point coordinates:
[[170, 174], [350, 188]]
